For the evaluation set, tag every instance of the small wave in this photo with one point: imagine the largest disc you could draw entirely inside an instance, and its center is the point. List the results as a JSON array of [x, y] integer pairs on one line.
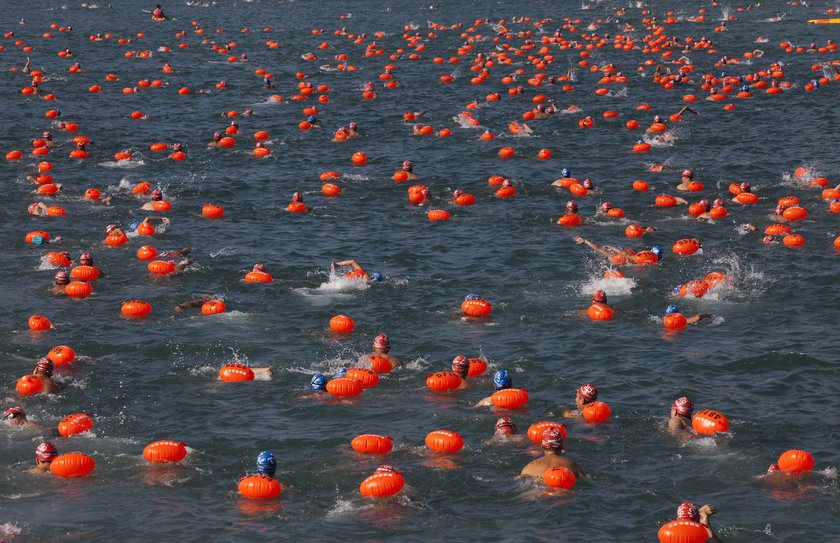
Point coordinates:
[[10, 529], [127, 164], [354, 177], [617, 286]]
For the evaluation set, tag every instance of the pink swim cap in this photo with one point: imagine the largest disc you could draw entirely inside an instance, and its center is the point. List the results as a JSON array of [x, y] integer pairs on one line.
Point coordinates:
[[683, 406], [688, 173], [381, 343], [505, 426], [457, 193], [259, 268], [588, 392], [385, 468], [461, 365], [44, 366]]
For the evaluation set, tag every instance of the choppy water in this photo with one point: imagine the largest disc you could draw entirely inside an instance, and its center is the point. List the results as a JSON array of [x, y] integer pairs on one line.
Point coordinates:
[[768, 358]]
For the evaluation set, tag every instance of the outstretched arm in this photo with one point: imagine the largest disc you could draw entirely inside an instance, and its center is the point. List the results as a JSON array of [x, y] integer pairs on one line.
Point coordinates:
[[697, 318], [592, 246], [707, 511]]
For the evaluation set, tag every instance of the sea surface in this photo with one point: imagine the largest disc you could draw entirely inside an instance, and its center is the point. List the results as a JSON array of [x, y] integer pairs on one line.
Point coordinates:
[[767, 359]]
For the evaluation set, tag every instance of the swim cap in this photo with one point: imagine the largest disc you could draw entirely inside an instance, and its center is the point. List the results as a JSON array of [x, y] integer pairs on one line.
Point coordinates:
[[683, 406], [671, 309], [381, 343], [472, 297], [704, 202], [266, 463], [552, 439], [385, 468], [46, 452], [297, 197], [571, 206], [502, 380], [657, 118], [353, 126], [44, 366], [588, 392], [745, 187], [457, 193], [38, 240], [600, 296], [407, 166], [773, 468], [33, 208], [318, 382], [688, 511], [505, 426], [85, 259], [566, 172], [606, 206], [312, 119], [156, 195], [133, 226], [110, 228], [12, 412], [676, 290], [768, 239], [217, 136], [588, 184], [62, 277], [718, 203], [506, 183], [745, 88], [178, 147], [259, 268], [376, 277], [461, 365], [657, 250], [688, 173]]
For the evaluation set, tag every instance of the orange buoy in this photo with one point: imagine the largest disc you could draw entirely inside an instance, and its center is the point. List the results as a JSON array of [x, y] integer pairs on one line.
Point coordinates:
[[640, 185], [342, 324], [443, 381], [146, 229], [596, 412], [236, 373], [465, 200], [683, 531], [509, 398], [213, 307], [477, 367], [795, 213], [359, 158], [136, 308], [343, 387], [506, 152], [39, 322], [641, 147], [61, 355], [535, 431], [438, 215], [29, 385], [116, 240], [75, 424], [674, 321], [72, 465], [444, 441], [793, 240], [146, 252], [78, 289], [30, 236], [795, 461], [372, 444], [777, 229], [559, 477], [476, 307], [165, 451], [212, 211], [600, 312], [382, 484], [380, 365], [709, 422], [686, 247], [258, 277], [330, 189], [161, 267], [634, 231], [569, 219], [664, 200], [367, 378], [259, 487]]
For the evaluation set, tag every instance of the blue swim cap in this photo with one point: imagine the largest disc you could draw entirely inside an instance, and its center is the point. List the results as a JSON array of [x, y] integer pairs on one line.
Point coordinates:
[[133, 226], [657, 250], [376, 277], [472, 297], [502, 380], [38, 240], [723, 74], [671, 309], [566, 172], [266, 463], [341, 372], [312, 119], [318, 382], [745, 88]]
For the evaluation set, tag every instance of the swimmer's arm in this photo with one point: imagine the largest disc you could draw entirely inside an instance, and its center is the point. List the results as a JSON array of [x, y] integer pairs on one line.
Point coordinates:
[[681, 201], [164, 220], [697, 318], [592, 246], [484, 402], [686, 108], [351, 262], [707, 511], [268, 372], [191, 303]]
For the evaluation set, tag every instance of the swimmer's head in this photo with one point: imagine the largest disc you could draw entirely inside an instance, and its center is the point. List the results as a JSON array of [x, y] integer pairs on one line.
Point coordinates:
[[745, 187], [505, 427], [37, 240], [353, 126], [704, 202], [768, 239], [688, 511], [688, 174], [385, 468], [62, 277], [156, 195], [44, 366], [566, 172], [502, 380], [47, 135], [606, 206], [85, 259], [588, 392], [312, 119], [217, 136], [110, 228], [472, 297], [266, 463], [600, 296], [588, 184], [506, 183], [571, 206], [14, 415], [461, 366], [297, 197], [178, 147], [259, 268], [718, 202], [683, 406], [780, 209], [376, 276], [46, 452], [318, 382], [671, 309], [457, 193], [407, 166], [381, 343], [773, 468], [657, 250], [657, 118], [552, 439]]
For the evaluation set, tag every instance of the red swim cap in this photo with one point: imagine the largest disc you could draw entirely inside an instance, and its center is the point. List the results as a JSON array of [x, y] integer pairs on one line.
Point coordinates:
[[688, 511], [552, 439], [600, 296], [461, 365], [588, 392], [381, 343], [683, 406], [688, 173], [46, 452], [44, 366], [259, 268], [505, 426]]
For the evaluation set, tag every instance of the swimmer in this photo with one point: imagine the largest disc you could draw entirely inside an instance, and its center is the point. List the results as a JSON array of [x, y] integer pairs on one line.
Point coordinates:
[[382, 349], [177, 148], [501, 381], [38, 209], [113, 230], [552, 446], [746, 189], [158, 14], [707, 215], [505, 431], [599, 299], [44, 455], [688, 511], [352, 130], [44, 370], [318, 384], [14, 416], [671, 309], [62, 279], [587, 393], [680, 421], [565, 173], [540, 113], [266, 463], [356, 273], [461, 366], [296, 198], [571, 209], [217, 136], [608, 209], [686, 179], [616, 255], [408, 168], [155, 196], [313, 120], [517, 128], [47, 136]]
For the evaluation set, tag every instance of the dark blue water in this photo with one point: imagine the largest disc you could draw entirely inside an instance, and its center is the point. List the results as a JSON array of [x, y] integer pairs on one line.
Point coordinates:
[[767, 359]]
